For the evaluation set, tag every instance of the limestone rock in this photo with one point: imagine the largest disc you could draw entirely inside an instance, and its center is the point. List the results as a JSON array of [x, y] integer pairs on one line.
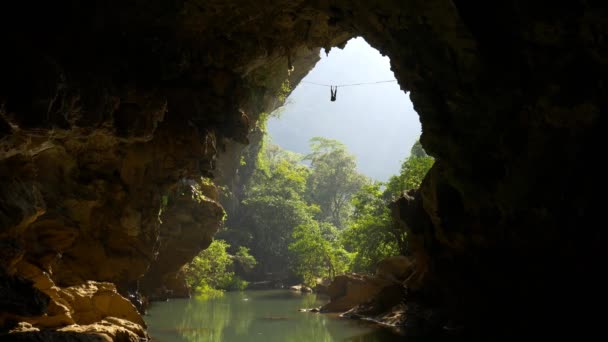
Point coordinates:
[[82, 304], [396, 268], [189, 221], [321, 289], [348, 291], [59, 311], [111, 329], [23, 327], [94, 301], [19, 297], [56, 336], [300, 288]]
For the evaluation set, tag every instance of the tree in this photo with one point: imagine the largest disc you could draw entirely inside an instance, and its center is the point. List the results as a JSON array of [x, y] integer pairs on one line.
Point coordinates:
[[315, 256], [333, 180], [271, 207], [413, 170], [417, 151], [212, 269], [370, 235], [320, 220]]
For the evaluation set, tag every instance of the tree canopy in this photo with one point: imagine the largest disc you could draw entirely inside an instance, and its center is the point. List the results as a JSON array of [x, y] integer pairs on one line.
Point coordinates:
[[333, 180], [413, 170], [314, 216]]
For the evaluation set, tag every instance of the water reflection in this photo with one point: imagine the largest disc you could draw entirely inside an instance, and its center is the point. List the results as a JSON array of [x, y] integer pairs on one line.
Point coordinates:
[[255, 316]]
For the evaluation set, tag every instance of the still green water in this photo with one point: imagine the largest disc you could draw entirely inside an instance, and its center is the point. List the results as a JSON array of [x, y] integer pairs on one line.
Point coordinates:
[[251, 316]]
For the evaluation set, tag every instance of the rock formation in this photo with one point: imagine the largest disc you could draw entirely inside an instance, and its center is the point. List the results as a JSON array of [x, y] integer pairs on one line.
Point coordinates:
[[350, 290], [106, 106], [379, 297], [187, 228]]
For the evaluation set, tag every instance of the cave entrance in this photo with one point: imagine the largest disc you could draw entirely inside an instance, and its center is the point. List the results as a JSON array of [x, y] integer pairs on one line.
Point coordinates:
[[372, 116], [311, 198]]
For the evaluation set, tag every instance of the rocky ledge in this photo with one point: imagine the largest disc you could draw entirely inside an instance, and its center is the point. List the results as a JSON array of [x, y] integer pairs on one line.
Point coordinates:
[[93, 311], [384, 298]]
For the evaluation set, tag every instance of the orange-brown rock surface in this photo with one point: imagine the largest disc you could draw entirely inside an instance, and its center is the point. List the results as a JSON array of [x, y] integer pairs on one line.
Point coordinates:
[[91, 308], [187, 228], [352, 290], [107, 330], [348, 291]]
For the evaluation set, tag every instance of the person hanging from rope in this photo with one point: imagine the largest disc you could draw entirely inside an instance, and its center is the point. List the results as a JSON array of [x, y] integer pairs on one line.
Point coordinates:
[[334, 92], [334, 89]]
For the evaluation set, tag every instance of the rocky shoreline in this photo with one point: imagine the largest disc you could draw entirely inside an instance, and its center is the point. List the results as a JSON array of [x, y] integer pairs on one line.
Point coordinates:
[[388, 298]]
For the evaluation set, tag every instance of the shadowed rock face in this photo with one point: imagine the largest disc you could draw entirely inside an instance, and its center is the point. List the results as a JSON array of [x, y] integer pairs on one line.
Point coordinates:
[[188, 227], [107, 105]]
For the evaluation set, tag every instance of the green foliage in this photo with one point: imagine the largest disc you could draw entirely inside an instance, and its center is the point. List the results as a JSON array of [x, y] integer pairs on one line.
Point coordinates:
[[207, 181], [284, 91], [196, 189], [211, 270], [244, 258], [320, 220], [370, 235], [315, 256], [237, 284], [417, 150], [262, 121], [412, 171], [333, 180], [273, 204]]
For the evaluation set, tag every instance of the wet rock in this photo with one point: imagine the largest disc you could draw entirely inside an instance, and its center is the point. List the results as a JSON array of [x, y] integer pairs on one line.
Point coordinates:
[[93, 301], [348, 291], [58, 336], [190, 218], [300, 288], [84, 304], [266, 285], [110, 329], [321, 289], [395, 268]]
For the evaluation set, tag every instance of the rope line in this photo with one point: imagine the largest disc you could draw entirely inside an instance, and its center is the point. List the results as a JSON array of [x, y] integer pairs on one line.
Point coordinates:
[[347, 85]]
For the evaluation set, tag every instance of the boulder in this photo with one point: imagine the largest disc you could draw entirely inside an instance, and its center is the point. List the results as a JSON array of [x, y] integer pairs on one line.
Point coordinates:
[[84, 304], [321, 289], [109, 330], [348, 291], [300, 288], [395, 268], [94, 301]]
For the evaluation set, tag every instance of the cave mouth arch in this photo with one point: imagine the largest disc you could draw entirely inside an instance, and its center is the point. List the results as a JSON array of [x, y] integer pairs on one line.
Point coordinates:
[[363, 115], [506, 93], [372, 116]]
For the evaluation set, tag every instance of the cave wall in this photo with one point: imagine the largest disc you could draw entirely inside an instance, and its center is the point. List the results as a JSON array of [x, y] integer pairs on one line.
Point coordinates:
[[107, 110], [107, 105]]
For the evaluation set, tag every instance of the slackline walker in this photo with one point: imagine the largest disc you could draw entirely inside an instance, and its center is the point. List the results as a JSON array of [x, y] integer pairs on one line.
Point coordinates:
[[333, 89]]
